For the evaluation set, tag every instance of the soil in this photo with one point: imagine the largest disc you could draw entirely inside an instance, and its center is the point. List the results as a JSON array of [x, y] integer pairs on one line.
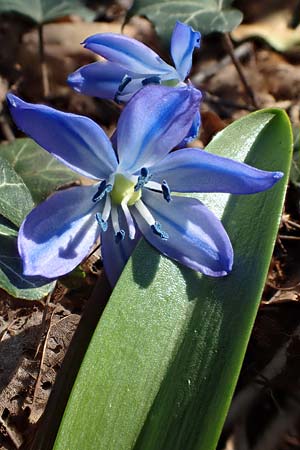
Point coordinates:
[[35, 335]]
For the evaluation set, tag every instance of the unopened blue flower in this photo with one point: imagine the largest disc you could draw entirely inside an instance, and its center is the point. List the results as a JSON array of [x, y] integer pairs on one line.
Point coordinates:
[[133, 190], [131, 65]]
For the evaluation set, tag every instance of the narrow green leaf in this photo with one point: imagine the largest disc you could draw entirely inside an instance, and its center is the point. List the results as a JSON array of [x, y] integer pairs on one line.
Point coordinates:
[[15, 199], [41, 173], [12, 279], [42, 11], [206, 16], [163, 362]]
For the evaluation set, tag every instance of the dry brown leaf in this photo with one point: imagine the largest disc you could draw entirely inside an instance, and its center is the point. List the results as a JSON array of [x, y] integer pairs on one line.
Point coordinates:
[[273, 29]]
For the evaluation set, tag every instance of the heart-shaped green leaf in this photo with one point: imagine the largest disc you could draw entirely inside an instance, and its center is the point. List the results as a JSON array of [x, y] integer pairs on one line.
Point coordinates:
[[206, 16], [15, 199], [162, 365], [42, 11], [12, 279], [41, 173]]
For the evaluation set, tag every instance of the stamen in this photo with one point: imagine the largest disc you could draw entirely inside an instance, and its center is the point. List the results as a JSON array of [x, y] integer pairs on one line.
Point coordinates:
[[129, 219], [102, 190], [154, 185], [142, 179], [126, 80], [119, 233], [166, 191], [163, 187], [119, 236], [145, 213], [156, 228], [106, 209], [115, 219], [151, 80], [147, 216], [102, 223]]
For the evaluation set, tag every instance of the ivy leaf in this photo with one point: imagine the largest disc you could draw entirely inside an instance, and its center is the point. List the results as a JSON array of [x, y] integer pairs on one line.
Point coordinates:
[[41, 173], [12, 279], [42, 11], [15, 198], [206, 16]]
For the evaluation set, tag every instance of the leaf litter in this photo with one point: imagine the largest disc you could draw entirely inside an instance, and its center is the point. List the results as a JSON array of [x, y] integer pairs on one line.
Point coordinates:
[[35, 336]]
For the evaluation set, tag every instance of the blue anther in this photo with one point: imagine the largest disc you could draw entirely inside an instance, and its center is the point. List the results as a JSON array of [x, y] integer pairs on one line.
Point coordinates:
[[151, 80], [166, 191], [142, 179], [101, 222], [119, 236], [156, 228], [145, 172], [102, 190], [126, 80]]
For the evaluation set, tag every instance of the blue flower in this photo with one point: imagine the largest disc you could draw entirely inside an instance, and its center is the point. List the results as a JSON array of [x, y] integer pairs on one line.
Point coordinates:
[[133, 190], [131, 65]]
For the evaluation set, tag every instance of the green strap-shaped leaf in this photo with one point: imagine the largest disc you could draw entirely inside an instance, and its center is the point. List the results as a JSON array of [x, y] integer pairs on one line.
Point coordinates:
[[41, 11], [40, 171], [162, 365], [206, 16]]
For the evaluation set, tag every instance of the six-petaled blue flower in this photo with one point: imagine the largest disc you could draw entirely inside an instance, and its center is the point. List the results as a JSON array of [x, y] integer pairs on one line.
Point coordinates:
[[133, 194], [131, 65]]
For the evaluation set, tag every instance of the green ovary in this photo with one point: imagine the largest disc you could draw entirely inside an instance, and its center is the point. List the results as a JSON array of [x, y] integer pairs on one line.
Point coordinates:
[[171, 83], [124, 188]]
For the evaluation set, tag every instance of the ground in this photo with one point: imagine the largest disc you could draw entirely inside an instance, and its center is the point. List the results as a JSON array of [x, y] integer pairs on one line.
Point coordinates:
[[35, 335]]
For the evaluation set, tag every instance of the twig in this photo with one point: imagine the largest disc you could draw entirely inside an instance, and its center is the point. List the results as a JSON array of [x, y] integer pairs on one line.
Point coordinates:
[[291, 238], [280, 426], [245, 398], [241, 52], [214, 99], [240, 439], [43, 324], [15, 439], [92, 252], [237, 64], [38, 379], [294, 22], [6, 129], [44, 68]]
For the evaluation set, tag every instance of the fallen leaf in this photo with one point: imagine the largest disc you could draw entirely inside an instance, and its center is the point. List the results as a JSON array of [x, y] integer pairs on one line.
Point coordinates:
[[273, 29]]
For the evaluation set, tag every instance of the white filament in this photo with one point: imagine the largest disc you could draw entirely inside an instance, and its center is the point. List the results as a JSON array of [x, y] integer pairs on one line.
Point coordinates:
[[115, 219], [129, 219], [107, 208], [144, 212], [154, 185]]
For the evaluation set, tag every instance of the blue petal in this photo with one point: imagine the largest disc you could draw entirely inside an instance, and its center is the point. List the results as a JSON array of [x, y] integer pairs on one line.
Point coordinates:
[[197, 238], [194, 130], [154, 121], [115, 255], [195, 170], [98, 79], [75, 140], [56, 236], [129, 53], [184, 40]]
